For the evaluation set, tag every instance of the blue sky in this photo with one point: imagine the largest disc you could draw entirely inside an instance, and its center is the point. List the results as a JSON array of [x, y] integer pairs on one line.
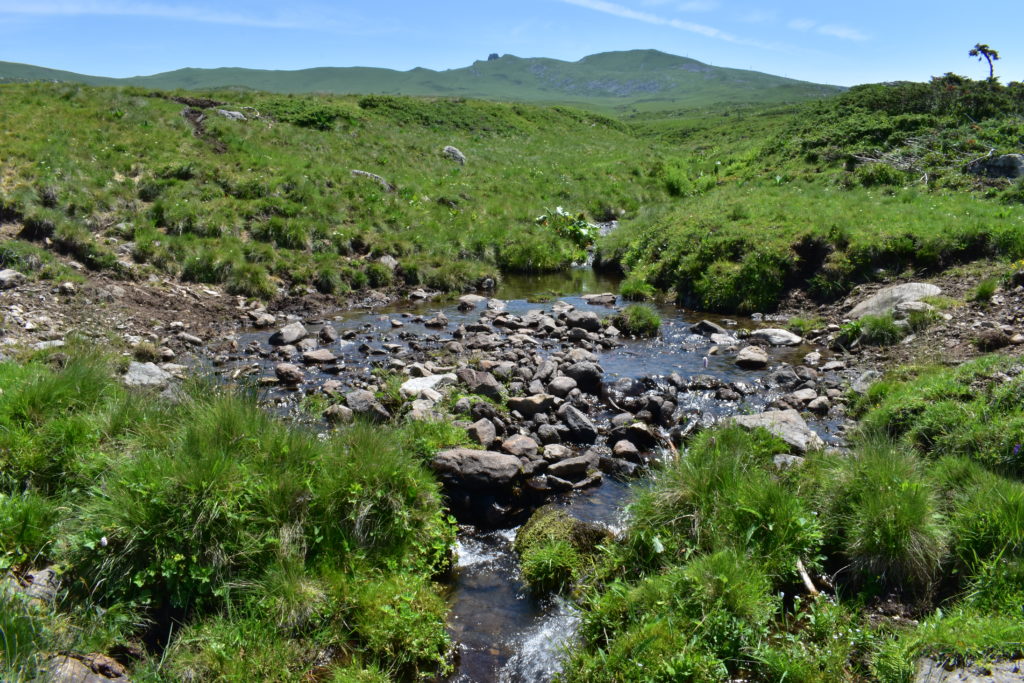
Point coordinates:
[[831, 42]]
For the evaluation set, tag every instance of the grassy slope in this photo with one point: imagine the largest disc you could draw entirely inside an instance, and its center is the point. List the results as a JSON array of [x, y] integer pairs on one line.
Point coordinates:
[[768, 200], [927, 511], [637, 79], [275, 198]]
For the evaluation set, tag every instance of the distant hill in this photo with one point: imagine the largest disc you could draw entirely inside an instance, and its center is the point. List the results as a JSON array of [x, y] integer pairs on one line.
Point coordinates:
[[636, 80]]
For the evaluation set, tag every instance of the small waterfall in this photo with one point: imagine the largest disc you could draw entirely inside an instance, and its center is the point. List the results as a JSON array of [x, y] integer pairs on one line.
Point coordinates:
[[540, 650]]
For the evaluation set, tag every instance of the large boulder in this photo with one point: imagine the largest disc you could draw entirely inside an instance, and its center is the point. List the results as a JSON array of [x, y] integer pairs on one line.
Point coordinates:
[[587, 375], [1002, 166], [454, 154], [776, 337], [886, 299], [477, 470], [785, 424], [587, 320]]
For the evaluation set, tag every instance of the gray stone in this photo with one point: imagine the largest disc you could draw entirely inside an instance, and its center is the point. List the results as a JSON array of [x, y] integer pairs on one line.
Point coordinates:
[[365, 404], [587, 320], [574, 469], [555, 451], [454, 154], [67, 669], [785, 424], [776, 337], [146, 375], [482, 432], [318, 357], [479, 382], [528, 406], [520, 445], [413, 387], [786, 460], [289, 373], [625, 450], [581, 429], [339, 414], [289, 334], [587, 375], [886, 299], [50, 344], [864, 382], [820, 405], [752, 358], [932, 671], [561, 386], [605, 299], [802, 396], [9, 279], [1000, 166], [328, 334], [477, 470], [389, 261], [233, 115], [708, 328]]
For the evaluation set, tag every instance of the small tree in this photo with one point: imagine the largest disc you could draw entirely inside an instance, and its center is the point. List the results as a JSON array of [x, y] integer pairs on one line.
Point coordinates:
[[983, 51]]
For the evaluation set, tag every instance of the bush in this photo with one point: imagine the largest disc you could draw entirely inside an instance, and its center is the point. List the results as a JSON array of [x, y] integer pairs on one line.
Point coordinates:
[[985, 289], [636, 288], [638, 320]]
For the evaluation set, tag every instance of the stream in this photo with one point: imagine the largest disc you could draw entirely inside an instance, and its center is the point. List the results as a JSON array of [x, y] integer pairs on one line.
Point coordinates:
[[501, 631]]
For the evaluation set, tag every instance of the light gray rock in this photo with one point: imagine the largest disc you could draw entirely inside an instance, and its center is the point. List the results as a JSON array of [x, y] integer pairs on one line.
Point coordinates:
[[480, 382], [752, 358], [477, 470], [521, 445], [708, 328], [482, 432], [413, 387], [9, 279], [66, 669], [146, 375], [574, 469], [775, 336], [1001, 166], [365, 404], [455, 155], [50, 344], [785, 424], [318, 357], [233, 115], [864, 382], [932, 671], [886, 299], [787, 460], [339, 414], [586, 320], [528, 406], [289, 373], [289, 334], [605, 299], [561, 386]]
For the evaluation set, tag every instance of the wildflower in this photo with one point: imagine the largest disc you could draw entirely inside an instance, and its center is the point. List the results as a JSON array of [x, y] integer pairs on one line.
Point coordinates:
[[103, 542]]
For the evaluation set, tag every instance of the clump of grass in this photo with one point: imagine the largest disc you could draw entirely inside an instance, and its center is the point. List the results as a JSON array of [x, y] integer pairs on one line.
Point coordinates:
[[804, 326], [638, 320], [555, 549], [636, 288], [984, 291]]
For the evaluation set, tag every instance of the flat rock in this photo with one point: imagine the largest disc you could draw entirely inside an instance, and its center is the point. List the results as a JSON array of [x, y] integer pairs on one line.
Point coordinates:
[[365, 404], [752, 358], [318, 357], [9, 279], [413, 387], [587, 320], [932, 671], [520, 445], [289, 334], [528, 406], [785, 424], [574, 469], [886, 299], [146, 375], [561, 386], [477, 470], [605, 299], [708, 328], [580, 429], [479, 382], [775, 336]]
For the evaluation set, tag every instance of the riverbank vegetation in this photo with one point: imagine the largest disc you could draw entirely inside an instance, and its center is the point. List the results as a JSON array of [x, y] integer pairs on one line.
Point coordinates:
[[841, 567], [196, 537]]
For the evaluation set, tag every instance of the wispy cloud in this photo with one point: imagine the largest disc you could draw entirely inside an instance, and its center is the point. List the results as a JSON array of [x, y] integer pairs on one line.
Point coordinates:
[[843, 32], [161, 11], [833, 30], [757, 16], [697, 6], [646, 17]]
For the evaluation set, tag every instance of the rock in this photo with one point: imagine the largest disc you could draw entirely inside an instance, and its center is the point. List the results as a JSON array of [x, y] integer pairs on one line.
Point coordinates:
[[364, 404], [339, 414], [413, 387], [586, 320], [331, 387], [390, 262], [82, 669], [785, 424], [477, 470], [328, 334], [820, 405], [752, 358], [605, 299], [587, 375], [775, 336], [9, 279], [467, 302], [388, 187], [520, 445], [307, 344], [482, 432], [264, 320], [233, 115], [289, 374], [50, 344], [785, 461], [146, 375], [528, 406], [574, 469], [708, 328], [625, 450], [67, 288], [556, 451], [637, 433], [454, 154], [318, 357], [550, 523], [864, 382], [802, 396], [812, 358], [929, 670], [289, 334], [886, 299], [992, 340], [581, 429], [561, 386], [480, 382], [1000, 166], [40, 585]]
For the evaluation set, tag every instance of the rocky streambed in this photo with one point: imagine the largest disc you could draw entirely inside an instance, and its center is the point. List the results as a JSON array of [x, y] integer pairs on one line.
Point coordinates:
[[561, 407]]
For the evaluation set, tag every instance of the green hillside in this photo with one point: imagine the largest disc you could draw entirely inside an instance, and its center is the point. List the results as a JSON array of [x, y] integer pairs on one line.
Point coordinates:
[[636, 80]]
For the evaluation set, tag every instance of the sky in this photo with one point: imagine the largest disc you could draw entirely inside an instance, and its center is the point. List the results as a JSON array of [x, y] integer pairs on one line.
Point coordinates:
[[841, 43]]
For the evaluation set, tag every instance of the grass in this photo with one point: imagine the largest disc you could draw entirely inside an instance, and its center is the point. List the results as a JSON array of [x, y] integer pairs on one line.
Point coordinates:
[[638, 320], [703, 583], [234, 545]]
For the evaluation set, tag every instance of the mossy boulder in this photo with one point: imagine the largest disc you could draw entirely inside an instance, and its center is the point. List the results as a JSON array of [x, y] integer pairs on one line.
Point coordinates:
[[555, 548]]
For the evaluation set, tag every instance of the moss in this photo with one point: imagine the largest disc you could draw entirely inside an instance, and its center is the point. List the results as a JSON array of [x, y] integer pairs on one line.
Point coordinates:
[[555, 548]]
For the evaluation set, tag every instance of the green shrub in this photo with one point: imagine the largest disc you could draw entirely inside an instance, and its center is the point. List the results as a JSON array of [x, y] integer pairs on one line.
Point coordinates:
[[638, 320], [879, 174], [985, 289], [636, 288], [551, 566], [879, 330], [250, 280]]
